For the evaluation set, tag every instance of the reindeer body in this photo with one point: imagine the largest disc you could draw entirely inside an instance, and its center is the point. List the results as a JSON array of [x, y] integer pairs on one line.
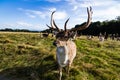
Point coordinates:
[[66, 52], [101, 38]]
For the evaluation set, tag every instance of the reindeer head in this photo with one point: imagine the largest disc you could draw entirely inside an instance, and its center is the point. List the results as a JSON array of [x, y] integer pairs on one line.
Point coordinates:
[[66, 34]]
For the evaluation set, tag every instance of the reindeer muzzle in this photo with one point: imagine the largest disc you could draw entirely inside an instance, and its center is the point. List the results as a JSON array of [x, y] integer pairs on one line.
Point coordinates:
[[55, 43]]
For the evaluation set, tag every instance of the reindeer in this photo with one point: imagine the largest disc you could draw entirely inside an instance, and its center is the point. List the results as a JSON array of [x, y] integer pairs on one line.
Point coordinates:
[[45, 34], [101, 37], [66, 48], [89, 37]]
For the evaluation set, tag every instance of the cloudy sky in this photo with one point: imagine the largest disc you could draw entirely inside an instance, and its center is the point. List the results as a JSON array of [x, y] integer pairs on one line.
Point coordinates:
[[35, 14]]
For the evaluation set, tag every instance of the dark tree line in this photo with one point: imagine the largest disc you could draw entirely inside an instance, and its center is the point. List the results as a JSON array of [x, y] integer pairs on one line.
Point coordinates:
[[108, 27], [16, 30]]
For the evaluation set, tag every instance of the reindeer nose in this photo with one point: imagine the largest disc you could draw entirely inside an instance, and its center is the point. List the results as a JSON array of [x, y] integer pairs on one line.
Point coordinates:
[[55, 43]]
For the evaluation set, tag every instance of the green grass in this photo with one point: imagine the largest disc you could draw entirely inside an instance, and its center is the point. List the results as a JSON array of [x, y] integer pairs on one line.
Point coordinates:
[[27, 56]]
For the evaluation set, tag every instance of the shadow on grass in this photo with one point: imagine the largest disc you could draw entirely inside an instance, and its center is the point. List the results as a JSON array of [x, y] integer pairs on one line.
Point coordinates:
[[43, 69]]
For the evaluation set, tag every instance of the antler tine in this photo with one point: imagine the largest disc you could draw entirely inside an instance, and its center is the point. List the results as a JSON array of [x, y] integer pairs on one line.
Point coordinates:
[[56, 26], [90, 8], [51, 28], [89, 11], [48, 26], [66, 24], [53, 25], [51, 22]]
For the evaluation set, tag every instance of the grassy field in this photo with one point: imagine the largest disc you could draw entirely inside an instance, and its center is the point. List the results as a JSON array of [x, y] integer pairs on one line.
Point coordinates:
[[27, 56]]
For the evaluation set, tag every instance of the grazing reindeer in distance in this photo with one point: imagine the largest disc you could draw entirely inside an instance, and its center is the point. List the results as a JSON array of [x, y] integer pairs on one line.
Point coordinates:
[[45, 34], [118, 37], [89, 37], [106, 36], [66, 48], [101, 37]]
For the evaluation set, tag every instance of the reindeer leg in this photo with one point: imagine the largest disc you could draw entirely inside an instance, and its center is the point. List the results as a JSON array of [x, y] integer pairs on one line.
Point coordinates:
[[60, 73], [68, 68]]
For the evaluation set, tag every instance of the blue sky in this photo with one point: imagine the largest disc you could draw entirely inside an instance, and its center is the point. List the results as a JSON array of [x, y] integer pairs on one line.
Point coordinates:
[[35, 14]]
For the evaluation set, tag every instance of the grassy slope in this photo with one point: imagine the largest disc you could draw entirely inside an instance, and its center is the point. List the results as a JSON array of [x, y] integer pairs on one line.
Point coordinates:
[[26, 56]]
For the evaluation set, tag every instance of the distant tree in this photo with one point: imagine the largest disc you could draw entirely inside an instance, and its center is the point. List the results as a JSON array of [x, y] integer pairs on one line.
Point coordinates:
[[118, 18]]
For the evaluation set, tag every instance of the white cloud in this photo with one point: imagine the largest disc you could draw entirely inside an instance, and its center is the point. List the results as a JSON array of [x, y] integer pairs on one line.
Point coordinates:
[[60, 15], [52, 9], [33, 13], [107, 13], [24, 24], [30, 15], [76, 4], [102, 2], [6, 25], [75, 8], [27, 25], [44, 14]]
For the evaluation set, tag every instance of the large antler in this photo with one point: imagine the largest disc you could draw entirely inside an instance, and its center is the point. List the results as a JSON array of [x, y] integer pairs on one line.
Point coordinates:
[[89, 11], [66, 33]]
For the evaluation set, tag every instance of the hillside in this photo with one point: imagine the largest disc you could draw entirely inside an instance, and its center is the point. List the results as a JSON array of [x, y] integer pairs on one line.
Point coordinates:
[[27, 56]]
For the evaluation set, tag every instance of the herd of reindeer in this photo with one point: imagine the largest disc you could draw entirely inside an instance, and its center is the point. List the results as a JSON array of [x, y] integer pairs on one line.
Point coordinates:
[[105, 37], [101, 37], [65, 46]]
